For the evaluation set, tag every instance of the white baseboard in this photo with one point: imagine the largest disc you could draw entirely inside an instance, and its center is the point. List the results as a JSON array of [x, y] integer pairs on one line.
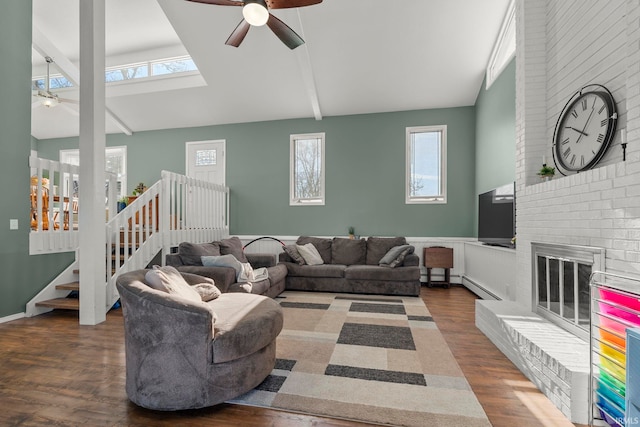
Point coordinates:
[[12, 317]]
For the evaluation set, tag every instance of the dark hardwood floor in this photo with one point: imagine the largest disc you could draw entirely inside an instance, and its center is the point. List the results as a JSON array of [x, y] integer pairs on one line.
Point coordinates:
[[55, 372]]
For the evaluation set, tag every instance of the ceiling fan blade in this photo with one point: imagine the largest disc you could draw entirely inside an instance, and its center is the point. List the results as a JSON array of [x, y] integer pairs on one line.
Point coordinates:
[[284, 32], [238, 34], [69, 101], [284, 4], [220, 2]]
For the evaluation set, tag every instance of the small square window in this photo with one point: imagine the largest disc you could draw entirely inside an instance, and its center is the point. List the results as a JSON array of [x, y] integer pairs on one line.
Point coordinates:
[[206, 157]]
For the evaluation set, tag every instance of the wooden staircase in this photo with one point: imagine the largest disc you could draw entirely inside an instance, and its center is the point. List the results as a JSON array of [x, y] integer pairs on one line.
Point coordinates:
[[72, 300]]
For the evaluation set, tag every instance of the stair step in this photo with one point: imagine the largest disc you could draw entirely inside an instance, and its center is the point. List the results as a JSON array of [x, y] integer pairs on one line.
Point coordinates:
[[61, 303], [73, 286]]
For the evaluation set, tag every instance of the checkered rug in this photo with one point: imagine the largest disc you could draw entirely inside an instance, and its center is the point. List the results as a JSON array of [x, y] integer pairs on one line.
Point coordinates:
[[368, 358]]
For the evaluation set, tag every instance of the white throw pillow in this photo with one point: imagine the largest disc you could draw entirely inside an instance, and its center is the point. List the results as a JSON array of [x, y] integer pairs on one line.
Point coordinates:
[[310, 254], [169, 280]]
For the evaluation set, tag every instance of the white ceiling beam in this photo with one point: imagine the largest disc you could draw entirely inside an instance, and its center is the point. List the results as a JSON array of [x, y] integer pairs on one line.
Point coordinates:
[[304, 61], [45, 47]]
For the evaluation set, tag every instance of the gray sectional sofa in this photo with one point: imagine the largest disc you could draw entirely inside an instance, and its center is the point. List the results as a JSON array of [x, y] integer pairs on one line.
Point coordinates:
[[188, 260], [353, 266]]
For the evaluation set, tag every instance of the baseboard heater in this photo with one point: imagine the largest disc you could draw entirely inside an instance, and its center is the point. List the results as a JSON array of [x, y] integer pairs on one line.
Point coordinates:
[[476, 286]]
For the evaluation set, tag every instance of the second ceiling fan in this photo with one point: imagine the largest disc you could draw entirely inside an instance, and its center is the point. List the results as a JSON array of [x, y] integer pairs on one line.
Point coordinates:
[[256, 12]]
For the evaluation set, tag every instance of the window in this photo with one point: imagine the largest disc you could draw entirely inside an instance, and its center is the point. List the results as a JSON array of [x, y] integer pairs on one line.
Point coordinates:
[[307, 169], [426, 164], [118, 73], [505, 46], [115, 162]]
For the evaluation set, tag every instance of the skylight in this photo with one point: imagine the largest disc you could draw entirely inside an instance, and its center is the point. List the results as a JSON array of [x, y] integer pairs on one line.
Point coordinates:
[[119, 73]]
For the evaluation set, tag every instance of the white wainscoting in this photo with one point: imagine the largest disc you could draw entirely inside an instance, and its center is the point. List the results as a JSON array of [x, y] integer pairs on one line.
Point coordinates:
[[490, 271]]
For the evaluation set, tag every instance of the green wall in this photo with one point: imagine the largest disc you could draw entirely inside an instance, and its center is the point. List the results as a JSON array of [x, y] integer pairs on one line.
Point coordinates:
[[22, 275], [365, 167], [496, 132]]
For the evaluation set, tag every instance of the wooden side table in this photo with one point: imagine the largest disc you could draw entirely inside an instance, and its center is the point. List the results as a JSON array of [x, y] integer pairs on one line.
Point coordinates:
[[438, 257]]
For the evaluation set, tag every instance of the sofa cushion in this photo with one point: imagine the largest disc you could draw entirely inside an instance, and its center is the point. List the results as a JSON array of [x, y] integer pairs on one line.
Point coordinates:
[[348, 251], [396, 255], [277, 273], [369, 272], [169, 280], [293, 253], [322, 245], [233, 246], [246, 323], [310, 254], [377, 247], [324, 270], [190, 253]]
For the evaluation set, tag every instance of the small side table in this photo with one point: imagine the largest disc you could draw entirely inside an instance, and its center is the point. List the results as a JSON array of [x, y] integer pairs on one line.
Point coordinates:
[[438, 257]]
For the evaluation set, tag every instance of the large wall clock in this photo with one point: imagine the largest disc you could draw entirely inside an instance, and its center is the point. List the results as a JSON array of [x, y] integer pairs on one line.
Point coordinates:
[[584, 129]]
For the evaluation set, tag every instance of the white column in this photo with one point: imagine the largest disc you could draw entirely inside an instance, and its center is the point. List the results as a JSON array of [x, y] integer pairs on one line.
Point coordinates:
[[92, 163]]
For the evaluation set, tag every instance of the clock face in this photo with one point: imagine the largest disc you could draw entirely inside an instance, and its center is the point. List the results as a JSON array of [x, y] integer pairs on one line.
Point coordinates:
[[584, 131]]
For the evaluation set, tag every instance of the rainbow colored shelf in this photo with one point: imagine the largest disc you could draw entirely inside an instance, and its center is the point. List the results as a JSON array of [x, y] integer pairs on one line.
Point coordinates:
[[613, 312]]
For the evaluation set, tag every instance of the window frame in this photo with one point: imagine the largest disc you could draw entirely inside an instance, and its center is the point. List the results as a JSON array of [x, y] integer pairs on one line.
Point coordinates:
[[293, 201], [442, 197]]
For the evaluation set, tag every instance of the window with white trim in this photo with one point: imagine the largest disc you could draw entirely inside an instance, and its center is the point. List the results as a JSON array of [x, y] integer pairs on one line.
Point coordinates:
[[115, 162], [426, 164], [306, 169], [504, 48]]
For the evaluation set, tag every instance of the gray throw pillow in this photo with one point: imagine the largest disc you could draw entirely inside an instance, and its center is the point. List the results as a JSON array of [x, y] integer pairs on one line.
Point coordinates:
[[190, 253], [322, 245], [377, 247], [348, 251], [223, 261], [293, 253], [233, 246], [395, 256], [310, 254]]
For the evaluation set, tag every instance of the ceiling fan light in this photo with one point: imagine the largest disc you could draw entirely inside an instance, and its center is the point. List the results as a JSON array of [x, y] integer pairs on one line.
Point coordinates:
[[48, 100], [255, 13]]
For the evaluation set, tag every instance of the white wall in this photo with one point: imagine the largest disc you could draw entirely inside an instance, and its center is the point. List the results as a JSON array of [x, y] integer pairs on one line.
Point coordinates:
[[561, 47]]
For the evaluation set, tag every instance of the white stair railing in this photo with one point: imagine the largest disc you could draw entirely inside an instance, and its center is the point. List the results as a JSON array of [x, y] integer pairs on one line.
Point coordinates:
[[55, 205], [173, 210]]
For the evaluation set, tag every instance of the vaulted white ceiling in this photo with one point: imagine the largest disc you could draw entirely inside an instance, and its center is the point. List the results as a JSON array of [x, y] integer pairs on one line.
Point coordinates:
[[360, 56]]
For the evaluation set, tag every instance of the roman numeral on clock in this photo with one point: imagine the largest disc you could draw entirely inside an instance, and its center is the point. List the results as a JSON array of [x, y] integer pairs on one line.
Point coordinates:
[[584, 104], [573, 160], [566, 141], [601, 108], [574, 114], [600, 138], [604, 122], [581, 160], [566, 152]]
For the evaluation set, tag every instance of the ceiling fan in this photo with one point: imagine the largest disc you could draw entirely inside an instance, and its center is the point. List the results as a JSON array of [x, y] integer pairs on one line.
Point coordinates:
[[47, 98], [256, 12]]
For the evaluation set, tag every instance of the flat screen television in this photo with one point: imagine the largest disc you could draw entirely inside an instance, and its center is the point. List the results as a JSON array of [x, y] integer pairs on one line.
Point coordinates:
[[496, 216]]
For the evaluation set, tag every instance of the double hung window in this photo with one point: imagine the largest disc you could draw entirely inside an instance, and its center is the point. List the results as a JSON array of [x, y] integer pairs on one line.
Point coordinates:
[[307, 169], [426, 164]]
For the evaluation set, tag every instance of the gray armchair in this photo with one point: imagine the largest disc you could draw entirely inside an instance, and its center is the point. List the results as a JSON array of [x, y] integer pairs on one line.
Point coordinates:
[[182, 354]]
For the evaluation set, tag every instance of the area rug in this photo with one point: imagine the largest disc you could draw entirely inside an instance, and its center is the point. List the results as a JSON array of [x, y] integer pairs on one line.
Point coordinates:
[[375, 359]]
